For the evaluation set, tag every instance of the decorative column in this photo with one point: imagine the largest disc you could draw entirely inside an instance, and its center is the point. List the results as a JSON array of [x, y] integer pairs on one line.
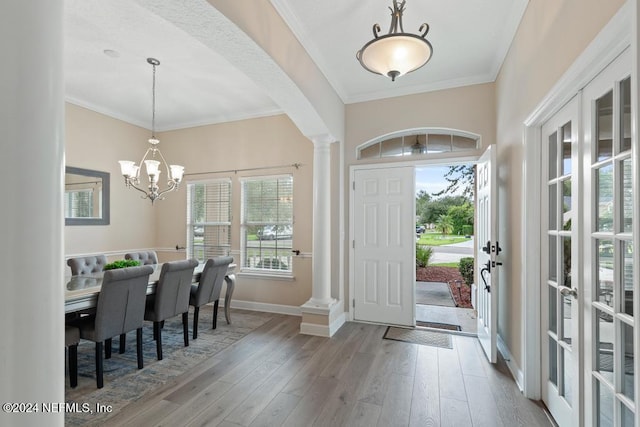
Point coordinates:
[[31, 217], [321, 315]]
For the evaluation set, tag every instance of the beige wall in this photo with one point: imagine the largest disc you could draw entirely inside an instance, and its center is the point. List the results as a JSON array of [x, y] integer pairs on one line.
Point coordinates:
[[469, 108], [246, 144], [550, 37], [95, 141]]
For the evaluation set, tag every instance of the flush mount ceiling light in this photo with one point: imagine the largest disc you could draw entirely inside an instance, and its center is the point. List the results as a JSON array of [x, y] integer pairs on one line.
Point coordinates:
[[131, 171], [396, 53]]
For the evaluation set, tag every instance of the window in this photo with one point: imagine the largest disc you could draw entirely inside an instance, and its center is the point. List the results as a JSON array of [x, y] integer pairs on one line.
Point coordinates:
[[267, 224], [208, 219], [78, 204], [419, 143]]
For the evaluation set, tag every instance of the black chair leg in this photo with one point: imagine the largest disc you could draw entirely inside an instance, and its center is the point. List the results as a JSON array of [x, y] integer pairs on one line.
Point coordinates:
[[123, 343], [157, 331], [107, 348], [139, 348], [185, 328], [196, 311], [73, 365], [215, 313], [99, 361]]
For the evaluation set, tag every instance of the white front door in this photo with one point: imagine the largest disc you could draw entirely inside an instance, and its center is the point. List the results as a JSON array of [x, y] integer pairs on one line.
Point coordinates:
[[488, 250], [561, 285], [384, 245]]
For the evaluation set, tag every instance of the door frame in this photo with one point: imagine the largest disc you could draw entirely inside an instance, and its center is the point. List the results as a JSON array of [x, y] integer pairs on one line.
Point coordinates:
[[612, 40], [439, 161]]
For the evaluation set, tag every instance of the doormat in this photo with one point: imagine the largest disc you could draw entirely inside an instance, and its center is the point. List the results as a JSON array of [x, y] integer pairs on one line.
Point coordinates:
[[418, 336], [439, 325]]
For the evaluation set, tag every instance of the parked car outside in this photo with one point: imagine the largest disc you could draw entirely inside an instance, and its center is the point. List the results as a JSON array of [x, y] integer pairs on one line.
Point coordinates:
[[273, 232]]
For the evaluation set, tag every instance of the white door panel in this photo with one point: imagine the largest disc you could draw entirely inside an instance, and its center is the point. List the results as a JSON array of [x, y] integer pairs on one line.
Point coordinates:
[[384, 245], [560, 265], [487, 254]]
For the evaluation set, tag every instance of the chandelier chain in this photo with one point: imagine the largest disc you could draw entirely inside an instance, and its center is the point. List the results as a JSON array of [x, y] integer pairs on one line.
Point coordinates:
[[153, 104]]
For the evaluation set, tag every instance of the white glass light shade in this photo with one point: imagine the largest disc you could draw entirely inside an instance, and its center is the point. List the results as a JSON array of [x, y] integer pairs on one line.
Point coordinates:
[[152, 167], [128, 168], [177, 172], [395, 55]]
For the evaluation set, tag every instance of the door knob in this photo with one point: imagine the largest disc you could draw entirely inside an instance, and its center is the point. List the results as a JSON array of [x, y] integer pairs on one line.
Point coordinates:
[[566, 291]]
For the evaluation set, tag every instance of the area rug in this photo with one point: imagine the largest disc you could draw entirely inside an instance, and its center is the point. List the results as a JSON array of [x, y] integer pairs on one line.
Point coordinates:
[[124, 383], [439, 325], [418, 336]]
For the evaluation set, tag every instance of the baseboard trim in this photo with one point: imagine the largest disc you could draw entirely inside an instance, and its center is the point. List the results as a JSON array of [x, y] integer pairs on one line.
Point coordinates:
[[326, 331], [263, 306], [516, 372]]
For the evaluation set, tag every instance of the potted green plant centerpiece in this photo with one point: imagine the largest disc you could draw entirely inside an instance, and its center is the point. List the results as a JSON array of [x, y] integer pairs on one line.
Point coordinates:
[[122, 263]]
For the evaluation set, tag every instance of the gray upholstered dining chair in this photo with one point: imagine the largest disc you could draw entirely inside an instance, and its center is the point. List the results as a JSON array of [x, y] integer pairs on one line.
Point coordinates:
[[120, 309], [208, 288], [145, 257], [87, 265], [171, 298], [71, 340]]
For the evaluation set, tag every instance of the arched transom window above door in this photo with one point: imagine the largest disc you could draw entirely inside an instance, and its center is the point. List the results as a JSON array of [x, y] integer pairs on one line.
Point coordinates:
[[419, 142]]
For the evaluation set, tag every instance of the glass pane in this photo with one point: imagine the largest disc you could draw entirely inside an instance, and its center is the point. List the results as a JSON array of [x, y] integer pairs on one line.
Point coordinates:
[[604, 405], [604, 344], [566, 149], [553, 155], [604, 197], [370, 152], [461, 143], [566, 319], [566, 261], [438, 143], [553, 274], [629, 372], [553, 361], [627, 196], [627, 416], [553, 307], [604, 126], [553, 209], [627, 276], [415, 144], [566, 205], [604, 279], [625, 117], [567, 364], [391, 147]]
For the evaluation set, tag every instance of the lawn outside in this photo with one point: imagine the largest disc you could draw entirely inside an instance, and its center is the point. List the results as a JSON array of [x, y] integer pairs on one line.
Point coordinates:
[[437, 239]]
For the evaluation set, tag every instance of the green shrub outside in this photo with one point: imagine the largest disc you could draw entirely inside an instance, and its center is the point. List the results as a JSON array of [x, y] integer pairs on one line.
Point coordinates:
[[466, 270], [423, 255]]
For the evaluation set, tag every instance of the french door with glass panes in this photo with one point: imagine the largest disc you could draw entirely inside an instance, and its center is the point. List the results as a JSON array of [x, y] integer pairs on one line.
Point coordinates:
[[608, 247], [561, 288], [587, 292]]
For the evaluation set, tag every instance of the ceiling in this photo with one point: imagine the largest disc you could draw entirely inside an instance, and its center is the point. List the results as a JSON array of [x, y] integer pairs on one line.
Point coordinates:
[[107, 43]]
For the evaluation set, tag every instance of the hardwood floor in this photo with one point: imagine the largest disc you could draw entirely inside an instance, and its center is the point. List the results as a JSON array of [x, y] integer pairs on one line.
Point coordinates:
[[277, 377]]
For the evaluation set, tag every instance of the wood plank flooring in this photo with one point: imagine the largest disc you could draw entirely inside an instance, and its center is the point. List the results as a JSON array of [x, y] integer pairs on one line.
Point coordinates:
[[277, 377]]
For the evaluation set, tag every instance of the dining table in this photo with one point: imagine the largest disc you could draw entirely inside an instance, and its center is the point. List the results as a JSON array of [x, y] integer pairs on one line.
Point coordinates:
[[81, 292]]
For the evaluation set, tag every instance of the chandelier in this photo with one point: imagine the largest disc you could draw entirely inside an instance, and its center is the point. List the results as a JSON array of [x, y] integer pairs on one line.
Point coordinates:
[[396, 53], [131, 171]]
